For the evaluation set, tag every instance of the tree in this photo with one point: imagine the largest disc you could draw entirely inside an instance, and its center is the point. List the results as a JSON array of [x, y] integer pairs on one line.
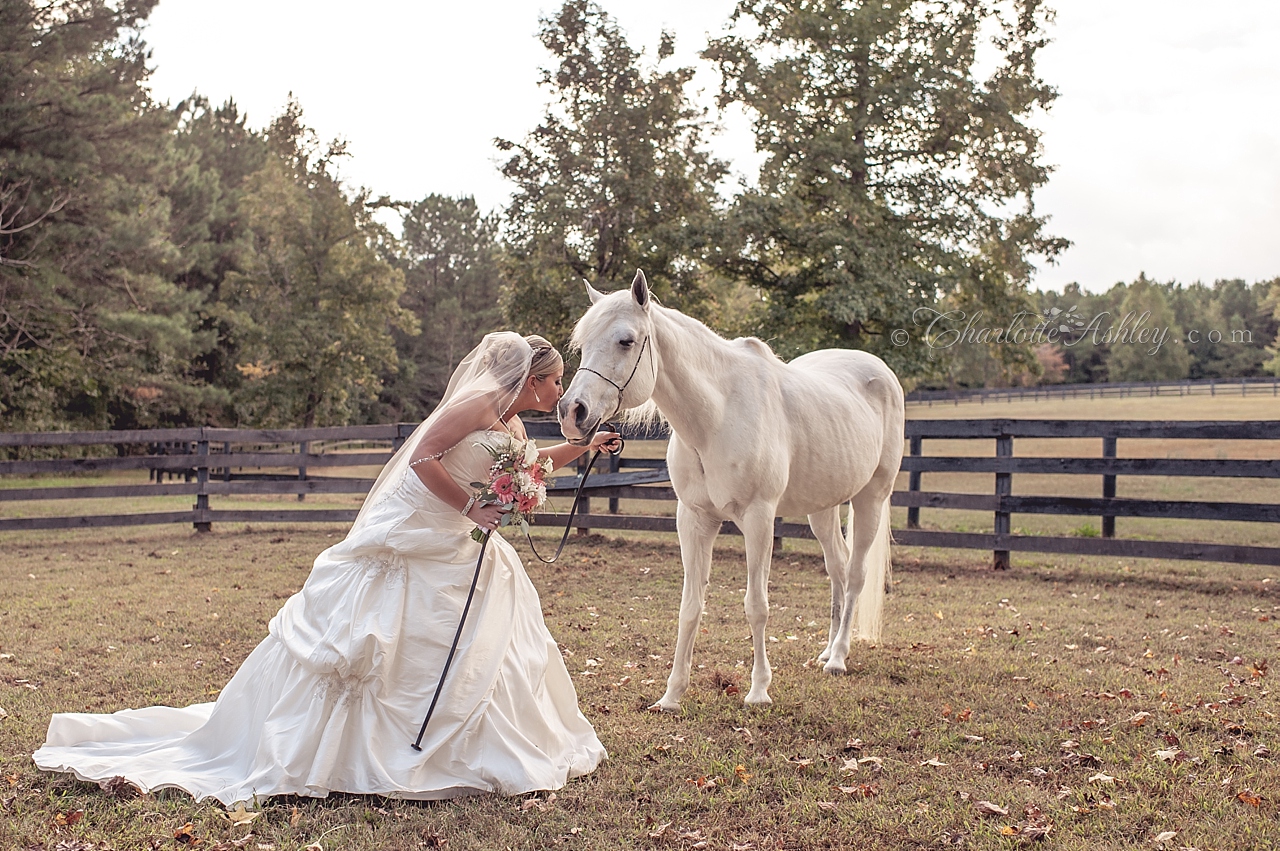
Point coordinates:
[[1137, 357], [894, 175], [217, 152], [93, 330], [315, 303], [449, 255], [614, 179]]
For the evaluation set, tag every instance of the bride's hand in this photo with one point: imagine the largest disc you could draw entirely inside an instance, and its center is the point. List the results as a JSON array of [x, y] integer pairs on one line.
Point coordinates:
[[486, 516], [608, 441]]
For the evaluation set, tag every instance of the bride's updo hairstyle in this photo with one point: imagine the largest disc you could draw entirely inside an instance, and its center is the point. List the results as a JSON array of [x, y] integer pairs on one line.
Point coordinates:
[[546, 359], [506, 359], [480, 392]]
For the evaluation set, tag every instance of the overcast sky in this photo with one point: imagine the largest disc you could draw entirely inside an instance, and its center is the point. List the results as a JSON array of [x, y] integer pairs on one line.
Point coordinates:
[[1165, 139]]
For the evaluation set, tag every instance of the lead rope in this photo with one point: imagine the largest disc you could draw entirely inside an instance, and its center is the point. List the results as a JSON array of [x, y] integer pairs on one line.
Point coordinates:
[[417, 743], [573, 511]]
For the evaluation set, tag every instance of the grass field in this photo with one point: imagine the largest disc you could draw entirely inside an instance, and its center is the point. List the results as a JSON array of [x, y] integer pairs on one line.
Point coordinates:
[[1107, 703]]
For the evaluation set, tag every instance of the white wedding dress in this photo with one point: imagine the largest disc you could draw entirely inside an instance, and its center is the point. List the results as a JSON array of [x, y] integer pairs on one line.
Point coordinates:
[[334, 695]]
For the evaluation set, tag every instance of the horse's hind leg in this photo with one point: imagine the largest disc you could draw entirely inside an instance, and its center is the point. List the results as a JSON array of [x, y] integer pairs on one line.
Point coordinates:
[[866, 525], [757, 530], [835, 554], [697, 535]]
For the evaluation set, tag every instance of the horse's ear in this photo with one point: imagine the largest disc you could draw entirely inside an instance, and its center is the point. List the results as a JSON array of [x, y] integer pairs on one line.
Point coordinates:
[[592, 293], [640, 289]]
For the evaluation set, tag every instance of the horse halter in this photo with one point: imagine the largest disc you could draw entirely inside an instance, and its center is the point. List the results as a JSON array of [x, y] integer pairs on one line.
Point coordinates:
[[621, 388]]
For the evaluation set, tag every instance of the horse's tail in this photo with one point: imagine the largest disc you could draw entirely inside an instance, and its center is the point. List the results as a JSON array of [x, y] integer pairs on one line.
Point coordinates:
[[868, 613]]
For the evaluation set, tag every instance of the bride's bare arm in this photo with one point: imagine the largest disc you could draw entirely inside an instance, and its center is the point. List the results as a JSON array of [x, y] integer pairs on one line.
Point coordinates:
[[442, 436], [563, 453]]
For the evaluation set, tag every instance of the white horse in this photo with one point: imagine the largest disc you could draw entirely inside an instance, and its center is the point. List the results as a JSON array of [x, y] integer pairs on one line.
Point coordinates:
[[753, 438]]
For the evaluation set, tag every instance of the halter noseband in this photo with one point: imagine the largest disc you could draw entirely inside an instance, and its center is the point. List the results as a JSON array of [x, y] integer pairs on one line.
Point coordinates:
[[621, 388]]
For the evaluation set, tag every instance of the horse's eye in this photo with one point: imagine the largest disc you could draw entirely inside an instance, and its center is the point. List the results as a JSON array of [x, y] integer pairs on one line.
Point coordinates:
[[626, 344]]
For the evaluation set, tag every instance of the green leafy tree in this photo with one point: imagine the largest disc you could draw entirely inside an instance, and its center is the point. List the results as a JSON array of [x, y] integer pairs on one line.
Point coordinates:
[[617, 177], [1134, 359], [450, 257], [1271, 305], [1228, 327], [93, 330], [895, 175], [315, 302], [217, 152]]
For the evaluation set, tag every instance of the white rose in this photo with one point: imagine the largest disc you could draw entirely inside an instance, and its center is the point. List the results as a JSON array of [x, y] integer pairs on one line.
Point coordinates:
[[530, 453]]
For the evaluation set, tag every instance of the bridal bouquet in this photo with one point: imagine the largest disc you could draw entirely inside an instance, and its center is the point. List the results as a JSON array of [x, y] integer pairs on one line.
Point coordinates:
[[517, 480]]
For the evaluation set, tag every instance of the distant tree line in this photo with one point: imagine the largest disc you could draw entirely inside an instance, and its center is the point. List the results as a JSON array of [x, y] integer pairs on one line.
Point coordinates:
[[1138, 331], [166, 265]]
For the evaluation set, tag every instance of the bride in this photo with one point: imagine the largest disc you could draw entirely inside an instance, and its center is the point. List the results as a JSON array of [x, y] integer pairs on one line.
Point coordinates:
[[334, 695]]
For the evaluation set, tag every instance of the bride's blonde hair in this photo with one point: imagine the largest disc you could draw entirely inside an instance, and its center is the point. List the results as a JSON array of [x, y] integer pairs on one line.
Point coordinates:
[[546, 359]]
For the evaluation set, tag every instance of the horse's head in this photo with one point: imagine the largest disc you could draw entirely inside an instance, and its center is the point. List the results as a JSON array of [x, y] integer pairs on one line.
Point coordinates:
[[619, 365]]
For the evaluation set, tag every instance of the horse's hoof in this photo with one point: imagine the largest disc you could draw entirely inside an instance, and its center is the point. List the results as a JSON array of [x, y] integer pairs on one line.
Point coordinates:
[[833, 667], [669, 707], [761, 698], [824, 656]]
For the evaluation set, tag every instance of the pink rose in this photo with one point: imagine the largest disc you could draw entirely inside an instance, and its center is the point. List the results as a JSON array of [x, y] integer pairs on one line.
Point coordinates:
[[526, 503]]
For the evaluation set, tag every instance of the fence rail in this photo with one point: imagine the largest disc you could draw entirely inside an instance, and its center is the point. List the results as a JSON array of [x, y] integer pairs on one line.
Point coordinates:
[[216, 462], [1255, 386]]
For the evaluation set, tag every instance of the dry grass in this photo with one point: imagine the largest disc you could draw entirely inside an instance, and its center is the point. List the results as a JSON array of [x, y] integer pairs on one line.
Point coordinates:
[[1030, 687]]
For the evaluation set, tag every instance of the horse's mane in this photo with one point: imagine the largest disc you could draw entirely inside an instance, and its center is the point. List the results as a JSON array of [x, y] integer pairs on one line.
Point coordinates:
[[676, 346]]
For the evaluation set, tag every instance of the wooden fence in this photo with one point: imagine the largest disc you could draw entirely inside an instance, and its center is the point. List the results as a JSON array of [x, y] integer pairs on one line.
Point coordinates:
[[1265, 386], [215, 463], [1004, 465]]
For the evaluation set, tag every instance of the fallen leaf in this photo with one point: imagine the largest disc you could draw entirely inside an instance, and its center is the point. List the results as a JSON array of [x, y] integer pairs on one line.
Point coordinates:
[[1139, 718], [741, 771], [935, 762], [542, 805], [187, 835], [987, 808], [826, 805], [119, 787], [1166, 836], [1105, 779], [1248, 797], [240, 815], [660, 831], [68, 819], [295, 816]]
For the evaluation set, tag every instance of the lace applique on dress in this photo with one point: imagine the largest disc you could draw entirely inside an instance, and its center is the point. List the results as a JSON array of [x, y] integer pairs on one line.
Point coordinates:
[[339, 689], [389, 566]]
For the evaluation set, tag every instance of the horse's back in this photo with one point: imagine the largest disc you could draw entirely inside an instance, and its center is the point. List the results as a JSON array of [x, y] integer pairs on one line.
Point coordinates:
[[853, 377]]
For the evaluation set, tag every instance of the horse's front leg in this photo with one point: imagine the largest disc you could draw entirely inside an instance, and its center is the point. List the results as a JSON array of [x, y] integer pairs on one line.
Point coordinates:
[[698, 533], [757, 529]]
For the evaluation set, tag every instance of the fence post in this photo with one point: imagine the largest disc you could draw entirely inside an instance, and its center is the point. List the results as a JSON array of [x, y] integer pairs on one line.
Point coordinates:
[[202, 479], [302, 469], [1108, 488], [1004, 487], [913, 485], [584, 507], [615, 464]]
